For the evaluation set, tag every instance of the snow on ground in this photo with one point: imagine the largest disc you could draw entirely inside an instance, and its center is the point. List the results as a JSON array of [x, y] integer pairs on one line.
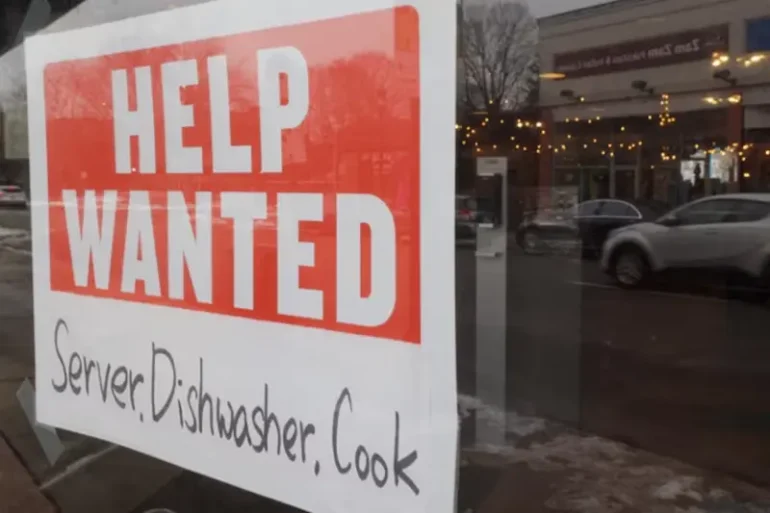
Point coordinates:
[[596, 475], [511, 421]]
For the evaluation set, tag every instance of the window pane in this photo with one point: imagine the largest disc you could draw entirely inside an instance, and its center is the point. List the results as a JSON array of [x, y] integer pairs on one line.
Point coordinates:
[[618, 209]]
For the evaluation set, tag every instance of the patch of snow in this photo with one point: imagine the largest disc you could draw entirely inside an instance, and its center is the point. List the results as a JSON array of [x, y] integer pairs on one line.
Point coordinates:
[[681, 486], [597, 475], [14, 233], [511, 422]]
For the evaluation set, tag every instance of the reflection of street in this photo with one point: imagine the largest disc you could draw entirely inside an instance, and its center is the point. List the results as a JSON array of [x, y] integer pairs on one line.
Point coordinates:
[[681, 375], [678, 375]]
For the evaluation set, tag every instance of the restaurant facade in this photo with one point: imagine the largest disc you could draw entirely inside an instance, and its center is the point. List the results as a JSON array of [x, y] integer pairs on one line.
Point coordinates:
[[657, 100]]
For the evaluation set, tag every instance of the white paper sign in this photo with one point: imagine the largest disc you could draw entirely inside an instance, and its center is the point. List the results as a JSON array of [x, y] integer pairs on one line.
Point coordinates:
[[206, 294]]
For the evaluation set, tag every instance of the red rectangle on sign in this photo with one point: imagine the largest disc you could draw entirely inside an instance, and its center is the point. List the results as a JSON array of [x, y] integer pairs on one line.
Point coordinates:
[[272, 175]]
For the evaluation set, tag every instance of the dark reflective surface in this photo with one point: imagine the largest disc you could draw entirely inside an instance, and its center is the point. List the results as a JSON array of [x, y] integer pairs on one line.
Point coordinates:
[[612, 345]]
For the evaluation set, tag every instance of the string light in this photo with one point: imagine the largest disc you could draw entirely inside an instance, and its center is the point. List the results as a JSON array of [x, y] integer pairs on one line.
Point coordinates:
[[740, 150], [665, 116]]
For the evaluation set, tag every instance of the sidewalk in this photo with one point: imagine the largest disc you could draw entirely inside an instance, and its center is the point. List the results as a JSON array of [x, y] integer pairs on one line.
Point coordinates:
[[549, 467]]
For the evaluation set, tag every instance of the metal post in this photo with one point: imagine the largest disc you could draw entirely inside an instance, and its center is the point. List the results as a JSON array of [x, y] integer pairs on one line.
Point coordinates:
[[491, 291]]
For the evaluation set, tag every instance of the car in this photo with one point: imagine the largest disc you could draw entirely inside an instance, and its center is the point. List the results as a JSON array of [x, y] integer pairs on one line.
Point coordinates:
[[583, 227], [12, 196], [727, 235], [468, 215]]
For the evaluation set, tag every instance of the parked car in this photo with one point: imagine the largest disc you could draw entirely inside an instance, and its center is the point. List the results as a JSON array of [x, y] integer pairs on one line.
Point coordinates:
[[583, 227], [727, 234], [468, 215], [12, 196]]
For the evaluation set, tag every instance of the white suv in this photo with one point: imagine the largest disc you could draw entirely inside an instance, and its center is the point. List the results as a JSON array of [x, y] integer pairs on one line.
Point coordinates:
[[728, 233]]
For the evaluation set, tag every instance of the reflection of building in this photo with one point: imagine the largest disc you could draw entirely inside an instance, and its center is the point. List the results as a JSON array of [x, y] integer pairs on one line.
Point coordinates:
[[642, 93]]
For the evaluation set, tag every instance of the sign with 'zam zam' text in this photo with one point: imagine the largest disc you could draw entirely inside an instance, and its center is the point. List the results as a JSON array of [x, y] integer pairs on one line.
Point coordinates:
[[243, 245]]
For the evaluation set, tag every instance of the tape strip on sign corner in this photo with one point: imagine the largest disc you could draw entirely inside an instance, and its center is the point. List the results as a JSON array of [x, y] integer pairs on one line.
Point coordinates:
[[251, 275]]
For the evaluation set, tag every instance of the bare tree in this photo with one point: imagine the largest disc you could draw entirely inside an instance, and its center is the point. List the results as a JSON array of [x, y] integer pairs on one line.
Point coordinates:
[[497, 51]]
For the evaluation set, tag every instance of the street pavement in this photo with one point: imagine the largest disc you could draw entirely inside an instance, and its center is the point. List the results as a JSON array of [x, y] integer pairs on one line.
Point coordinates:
[[617, 401]]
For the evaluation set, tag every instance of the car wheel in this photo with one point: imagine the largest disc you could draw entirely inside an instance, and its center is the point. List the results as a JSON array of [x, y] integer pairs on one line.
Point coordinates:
[[530, 242], [630, 268]]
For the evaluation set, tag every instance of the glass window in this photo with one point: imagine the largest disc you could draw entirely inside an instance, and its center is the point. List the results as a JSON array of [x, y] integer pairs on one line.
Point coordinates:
[[586, 384], [748, 211], [589, 208], [707, 212], [619, 209]]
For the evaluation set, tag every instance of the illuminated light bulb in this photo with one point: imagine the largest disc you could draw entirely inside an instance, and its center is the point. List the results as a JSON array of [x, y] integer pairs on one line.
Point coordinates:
[[543, 132], [538, 124], [746, 175], [502, 121], [494, 146], [513, 138], [622, 129], [569, 136]]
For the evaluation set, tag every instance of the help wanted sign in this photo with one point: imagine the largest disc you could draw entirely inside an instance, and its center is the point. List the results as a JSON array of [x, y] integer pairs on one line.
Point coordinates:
[[243, 245]]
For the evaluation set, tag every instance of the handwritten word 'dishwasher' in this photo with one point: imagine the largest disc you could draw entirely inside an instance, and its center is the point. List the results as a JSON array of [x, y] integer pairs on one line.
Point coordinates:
[[93, 219]]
